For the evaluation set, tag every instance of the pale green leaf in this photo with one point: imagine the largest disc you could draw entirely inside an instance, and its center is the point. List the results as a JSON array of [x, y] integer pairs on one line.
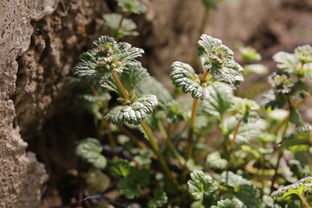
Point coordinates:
[[304, 53], [215, 162], [228, 203], [286, 61], [159, 199], [120, 26], [256, 69], [90, 150], [249, 54], [200, 184], [132, 6]]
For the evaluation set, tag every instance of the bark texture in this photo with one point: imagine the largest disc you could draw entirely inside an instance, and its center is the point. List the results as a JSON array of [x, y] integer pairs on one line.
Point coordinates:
[[40, 42]]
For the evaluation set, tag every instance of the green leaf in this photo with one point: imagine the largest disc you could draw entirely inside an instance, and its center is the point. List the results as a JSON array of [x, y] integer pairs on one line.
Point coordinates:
[[90, 150], [301, 135], [132, 6], [297, 188], [106, 56], [96, 181], [217, 60], [120, 168], [246, 132], [218, 99], [200, 184], [131, 185], [132, 78], [295, 117], [281, 83], [159, 199], [268, 202], [249, 54], [183, 75], [244, 190], [228, 203], [215, 162], [120, 26], [245, 109], [95, 103], [134, 113]]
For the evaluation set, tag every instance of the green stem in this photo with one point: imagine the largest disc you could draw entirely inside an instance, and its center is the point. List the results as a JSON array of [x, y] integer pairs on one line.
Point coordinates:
[[190, 139], [304, 201], [235, 134], [120, 86]]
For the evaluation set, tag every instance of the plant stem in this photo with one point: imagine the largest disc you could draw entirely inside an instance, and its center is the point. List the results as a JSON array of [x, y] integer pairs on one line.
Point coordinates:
[[190, 139], [235, 134], [120, 86], [132, 137], [304, 201]]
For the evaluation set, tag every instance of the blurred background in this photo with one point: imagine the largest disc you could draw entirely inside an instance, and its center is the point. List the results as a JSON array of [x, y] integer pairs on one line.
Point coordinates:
[[41, 43]]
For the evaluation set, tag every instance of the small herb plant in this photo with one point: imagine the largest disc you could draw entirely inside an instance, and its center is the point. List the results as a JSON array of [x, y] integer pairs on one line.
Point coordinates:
[[210, 148]]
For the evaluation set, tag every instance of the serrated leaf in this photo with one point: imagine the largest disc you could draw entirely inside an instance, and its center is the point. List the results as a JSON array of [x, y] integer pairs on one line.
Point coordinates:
[[218, 99], [134, 113], [297, 188], [131, 185], [200, 184], [120, 26], [90, 150], [159, 199], [132, 6], [120, 168], [183, 75], [217, 60], [215, 162], [106, 56], [228, 203]]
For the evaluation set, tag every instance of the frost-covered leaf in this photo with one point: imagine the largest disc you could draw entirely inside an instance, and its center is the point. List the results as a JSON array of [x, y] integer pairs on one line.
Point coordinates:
[[159, 199], [217, 60], [304, 53], [200, 184], [215, 162], [249, 54], [286, 61], [297, 188], [228, 203], [133, 113], [218, 99], [132, 6], [120, 29], [90, 150], [105, 56], [184, 76]]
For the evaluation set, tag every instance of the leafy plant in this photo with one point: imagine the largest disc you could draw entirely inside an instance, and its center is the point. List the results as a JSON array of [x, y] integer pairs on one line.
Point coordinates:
[[212, 148]]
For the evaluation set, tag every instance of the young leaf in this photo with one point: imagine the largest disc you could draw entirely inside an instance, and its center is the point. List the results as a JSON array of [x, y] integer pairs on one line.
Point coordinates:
[[215, 162], [183, 75], [255, 69], [304, 53], [218, 99], [105, 56], [217, 60], [286, 61], [297, 188], [120, 26], [120, 168], [159, 199], [132, 6], [249, 54], [134, 113], [90, 150], [228, 203], [200, 184]]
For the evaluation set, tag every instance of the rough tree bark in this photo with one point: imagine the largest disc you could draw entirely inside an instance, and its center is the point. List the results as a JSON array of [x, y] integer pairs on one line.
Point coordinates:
[[40, 41]]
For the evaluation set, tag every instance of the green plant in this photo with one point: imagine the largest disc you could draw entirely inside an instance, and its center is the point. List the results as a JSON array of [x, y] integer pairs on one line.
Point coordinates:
[[168, 156]]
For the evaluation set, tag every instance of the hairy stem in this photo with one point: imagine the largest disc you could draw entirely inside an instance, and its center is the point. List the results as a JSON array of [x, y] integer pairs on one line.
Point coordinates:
[[190, 139], [120, 86]]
